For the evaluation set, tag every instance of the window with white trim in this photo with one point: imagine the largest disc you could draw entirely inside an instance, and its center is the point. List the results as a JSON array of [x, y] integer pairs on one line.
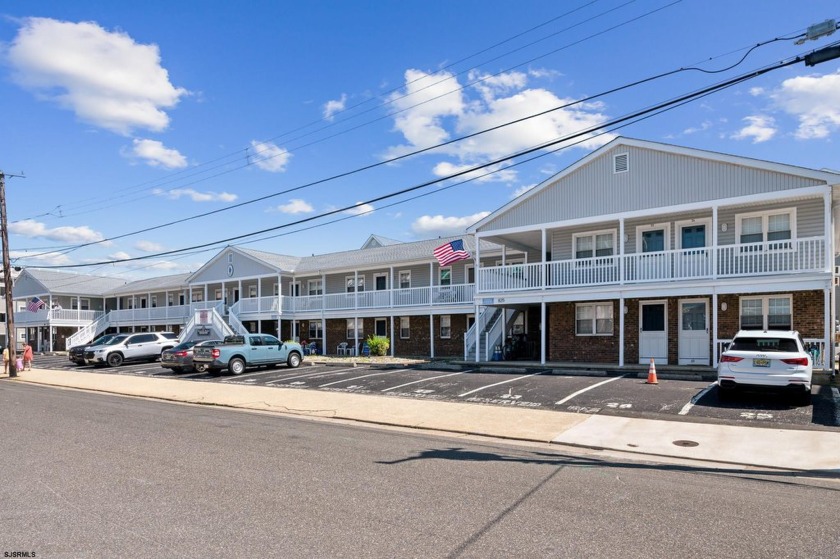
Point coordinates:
[[771, 312], [446, 276], [85, 304], [316, 287], [218, 294], [405, 279], [315, 330], [154, 301], [445, 326], [351, 331], [595, 244], [252, 291], [594, 319], [353, 285], [170, 300], [771, 228], [197, 296], [405, 328]]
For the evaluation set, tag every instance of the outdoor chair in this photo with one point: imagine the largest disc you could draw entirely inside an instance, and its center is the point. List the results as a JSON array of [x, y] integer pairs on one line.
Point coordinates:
[[342, 349]]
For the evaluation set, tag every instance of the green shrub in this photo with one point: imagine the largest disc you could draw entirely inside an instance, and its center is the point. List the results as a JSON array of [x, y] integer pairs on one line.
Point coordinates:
[[378, 345]]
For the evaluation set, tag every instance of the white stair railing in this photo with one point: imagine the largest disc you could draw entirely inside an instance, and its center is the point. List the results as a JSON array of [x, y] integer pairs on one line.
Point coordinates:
[[490, 321], [216, 322], [89, 332]]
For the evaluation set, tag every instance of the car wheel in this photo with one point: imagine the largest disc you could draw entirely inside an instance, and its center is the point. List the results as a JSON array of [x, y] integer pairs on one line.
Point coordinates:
[[115, 359], [200, 368], [236, 366], [293, 361]]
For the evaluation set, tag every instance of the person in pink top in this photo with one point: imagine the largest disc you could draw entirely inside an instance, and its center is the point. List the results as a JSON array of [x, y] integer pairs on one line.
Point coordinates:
[[27, 357]]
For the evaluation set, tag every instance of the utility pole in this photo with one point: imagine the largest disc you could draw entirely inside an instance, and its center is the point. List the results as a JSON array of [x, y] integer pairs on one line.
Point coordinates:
[[7, 279]]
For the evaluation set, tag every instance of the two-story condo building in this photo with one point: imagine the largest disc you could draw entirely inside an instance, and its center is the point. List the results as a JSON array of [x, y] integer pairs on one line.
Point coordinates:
[[334, 301], [643, 250]]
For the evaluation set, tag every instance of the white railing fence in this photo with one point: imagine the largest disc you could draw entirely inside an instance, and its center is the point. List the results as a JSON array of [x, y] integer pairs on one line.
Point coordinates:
[[818, 348]]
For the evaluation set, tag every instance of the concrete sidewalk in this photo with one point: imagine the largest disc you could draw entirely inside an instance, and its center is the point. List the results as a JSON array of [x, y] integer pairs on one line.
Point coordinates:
[[815, 451]]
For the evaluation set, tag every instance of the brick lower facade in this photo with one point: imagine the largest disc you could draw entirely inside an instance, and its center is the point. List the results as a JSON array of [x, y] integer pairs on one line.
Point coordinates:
[[564, 344]]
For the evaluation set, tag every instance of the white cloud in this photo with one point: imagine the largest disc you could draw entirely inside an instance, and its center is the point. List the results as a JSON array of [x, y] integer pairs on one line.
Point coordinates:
[[296, 206], [502, 99], [269, 157], [760, 129], [157, 155], [335, 106], [104, 77], [498, 173], [34, 229], [814, 101], [196, 196], [148, 246], [120, 255], [522, 190], [46, 258], [438, 225], [363, 209], [705, 125]]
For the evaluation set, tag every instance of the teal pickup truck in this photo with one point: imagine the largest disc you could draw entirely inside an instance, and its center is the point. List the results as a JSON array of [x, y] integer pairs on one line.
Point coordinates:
[[238, 353]]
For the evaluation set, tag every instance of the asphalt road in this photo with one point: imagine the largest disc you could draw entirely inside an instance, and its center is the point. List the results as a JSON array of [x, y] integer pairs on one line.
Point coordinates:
[[93, 475], [677, 400]]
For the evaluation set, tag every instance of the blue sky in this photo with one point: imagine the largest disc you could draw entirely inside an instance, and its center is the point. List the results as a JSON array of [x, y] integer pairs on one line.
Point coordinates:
[[126, 116]]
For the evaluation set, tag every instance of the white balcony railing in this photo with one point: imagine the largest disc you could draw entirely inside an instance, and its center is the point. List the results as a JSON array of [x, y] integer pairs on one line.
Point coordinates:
[[436, 295], [757, 259], [175, 313]]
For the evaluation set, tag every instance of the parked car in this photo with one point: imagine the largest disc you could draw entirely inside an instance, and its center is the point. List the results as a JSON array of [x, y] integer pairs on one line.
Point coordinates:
[[77, 352], [238, 353], [180, 357], [769, 358], [145, 346]]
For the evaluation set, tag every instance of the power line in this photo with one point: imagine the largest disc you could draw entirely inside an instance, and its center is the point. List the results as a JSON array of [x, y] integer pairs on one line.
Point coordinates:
[[631, 116]]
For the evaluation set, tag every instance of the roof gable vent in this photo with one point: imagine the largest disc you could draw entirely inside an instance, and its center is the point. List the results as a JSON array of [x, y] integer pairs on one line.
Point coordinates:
[[621, 163]]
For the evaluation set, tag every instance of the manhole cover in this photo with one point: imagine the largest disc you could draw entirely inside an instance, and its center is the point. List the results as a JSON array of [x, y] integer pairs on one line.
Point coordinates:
[[686, 443]]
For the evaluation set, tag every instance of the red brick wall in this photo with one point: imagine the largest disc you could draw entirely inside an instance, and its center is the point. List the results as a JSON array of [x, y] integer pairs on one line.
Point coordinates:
[[565, 345], [808, 316]]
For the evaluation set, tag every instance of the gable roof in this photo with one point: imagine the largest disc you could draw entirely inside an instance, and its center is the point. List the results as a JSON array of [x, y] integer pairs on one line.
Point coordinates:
[[379, 241], [820, 176], [161, 283], [68, 283]]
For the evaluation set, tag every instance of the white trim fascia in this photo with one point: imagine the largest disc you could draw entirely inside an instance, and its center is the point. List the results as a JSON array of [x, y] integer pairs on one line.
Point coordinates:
[[829, 178], [778, 196]]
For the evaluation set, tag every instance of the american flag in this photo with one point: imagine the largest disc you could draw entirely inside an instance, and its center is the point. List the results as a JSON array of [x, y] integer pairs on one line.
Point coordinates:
[[35, 304], [451, 252]]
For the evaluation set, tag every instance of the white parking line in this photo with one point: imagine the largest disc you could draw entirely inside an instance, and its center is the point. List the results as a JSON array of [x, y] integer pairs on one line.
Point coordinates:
[[363, 376], [313, 374], [686, 408], [497, 384], [424, 380], [579, 392]]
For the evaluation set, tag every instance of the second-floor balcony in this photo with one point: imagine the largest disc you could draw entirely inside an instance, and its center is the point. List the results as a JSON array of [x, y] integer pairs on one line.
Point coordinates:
[[744, 260], [436, 295]]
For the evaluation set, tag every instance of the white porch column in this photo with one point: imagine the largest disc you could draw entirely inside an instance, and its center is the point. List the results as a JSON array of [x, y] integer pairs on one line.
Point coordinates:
[[323, 335], [392, 334], [544, 261], [356, 296], [542, 332], [477, 331], [715, 229], [432, 335], [620, 250], [621, 330], [259, 296], [78, 307], [431, 281], [391, 288], [206, 298], [714, 327], [356, 335], [828, 232], [239, 288], [477, 265]]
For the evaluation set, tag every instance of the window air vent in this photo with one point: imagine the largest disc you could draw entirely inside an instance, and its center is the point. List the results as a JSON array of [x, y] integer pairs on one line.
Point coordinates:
[[621, 163]]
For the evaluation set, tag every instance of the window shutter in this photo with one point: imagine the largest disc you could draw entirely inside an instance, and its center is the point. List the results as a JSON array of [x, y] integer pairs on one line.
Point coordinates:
[[621, 163]]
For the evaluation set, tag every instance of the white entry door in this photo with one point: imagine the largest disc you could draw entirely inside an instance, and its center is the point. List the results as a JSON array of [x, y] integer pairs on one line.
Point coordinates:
[[694, 348], [653, 332]]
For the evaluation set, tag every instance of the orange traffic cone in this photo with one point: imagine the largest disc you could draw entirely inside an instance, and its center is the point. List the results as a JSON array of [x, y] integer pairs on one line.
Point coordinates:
[[652, 373]]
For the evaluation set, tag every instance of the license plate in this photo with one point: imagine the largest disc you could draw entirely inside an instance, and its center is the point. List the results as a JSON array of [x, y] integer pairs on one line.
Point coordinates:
[[760, 362]]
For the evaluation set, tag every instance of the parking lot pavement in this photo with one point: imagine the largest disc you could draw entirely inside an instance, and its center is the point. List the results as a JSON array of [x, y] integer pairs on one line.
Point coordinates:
[[616, 395]]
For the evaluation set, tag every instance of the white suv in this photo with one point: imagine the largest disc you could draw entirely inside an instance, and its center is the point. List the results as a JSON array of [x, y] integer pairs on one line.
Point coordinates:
[[145, 346], [766, 358]]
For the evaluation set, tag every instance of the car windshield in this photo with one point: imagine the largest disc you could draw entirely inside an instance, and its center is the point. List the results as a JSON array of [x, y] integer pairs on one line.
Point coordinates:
[[209, 343], [184, 345], [117, 340], [102, 340], [764, 344]]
